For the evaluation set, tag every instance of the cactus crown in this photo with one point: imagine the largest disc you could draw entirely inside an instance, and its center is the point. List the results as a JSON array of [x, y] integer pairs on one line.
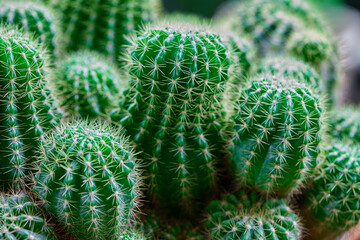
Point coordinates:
[[333, 198], [277, 132], [88, 177], [292, 68], [34, 18], [27, 109], [87, 84], [21, 219], [248, 216], [172, 109]]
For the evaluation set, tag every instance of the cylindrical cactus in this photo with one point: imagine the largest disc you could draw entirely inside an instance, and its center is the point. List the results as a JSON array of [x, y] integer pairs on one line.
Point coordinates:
[[289, 67], [27, 109], [248, 216], [345, 123], [34, 18], [173, 113], [88, 178], [87, 84], [21, 219], [276, 134], [331, 203], [102, 24]]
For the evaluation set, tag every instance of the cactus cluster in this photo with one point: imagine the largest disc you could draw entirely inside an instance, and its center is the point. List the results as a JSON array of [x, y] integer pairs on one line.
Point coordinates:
[[88, 178], [27, 109], [276, 134], [172, 111], [102, 25], [248, 216], [21, 219], [34, 18], [88, 84], [332, 202]]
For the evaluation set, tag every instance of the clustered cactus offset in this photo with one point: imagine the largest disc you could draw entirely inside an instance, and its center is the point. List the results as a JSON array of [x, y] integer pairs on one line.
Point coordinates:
[[88, 178], [27, 109], [276, 134], [246, 215], [34, 18], [88, 84], [21, 219]]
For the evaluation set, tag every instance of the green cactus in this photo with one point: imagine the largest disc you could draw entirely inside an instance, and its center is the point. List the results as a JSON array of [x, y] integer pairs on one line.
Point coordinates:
[[21, 219], [131, 234], [27, 109], [173, 113], [102, 25], [87, 84], [248, 216], [331, 203], [345, 123], [34, 18], [88, 178], [155, 228], [289, 67], [276, 134]]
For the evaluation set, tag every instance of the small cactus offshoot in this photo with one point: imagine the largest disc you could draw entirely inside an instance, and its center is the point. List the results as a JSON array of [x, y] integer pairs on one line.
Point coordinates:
[[87, 84], [27, 109], [276, 135], [248, 216], [88, 178], [331, 203], [21, 219]]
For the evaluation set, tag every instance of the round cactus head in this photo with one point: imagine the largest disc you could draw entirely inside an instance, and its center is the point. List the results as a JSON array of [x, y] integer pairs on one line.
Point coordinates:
[[292, 68], [88, 178], [248, 216], [27, 109], [131, 234], [173, 113], [21, 219], [87, 84], [312, 47], [331, 203], [35, 18], [276, 134]]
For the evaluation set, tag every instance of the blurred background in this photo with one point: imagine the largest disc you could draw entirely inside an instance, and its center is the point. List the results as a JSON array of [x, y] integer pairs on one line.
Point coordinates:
[[343, 15]]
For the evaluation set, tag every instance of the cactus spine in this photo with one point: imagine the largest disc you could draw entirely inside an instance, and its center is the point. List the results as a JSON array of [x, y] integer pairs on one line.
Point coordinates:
[[33, 18], [102, 25], [248, 216], [21, 219], [332, 201], [27, 109], [277, 132], [173, 113], [88, 178], [87, 84]]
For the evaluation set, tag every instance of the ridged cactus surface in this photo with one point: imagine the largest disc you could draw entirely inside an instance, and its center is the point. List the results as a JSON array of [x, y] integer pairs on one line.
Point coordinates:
[[102, 25], [20, 219], [87, 84], [332, 201], [276, 135], [289, 67], [34, 18], [88, 178], [27, 109], [248, 216], [173, 113]]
